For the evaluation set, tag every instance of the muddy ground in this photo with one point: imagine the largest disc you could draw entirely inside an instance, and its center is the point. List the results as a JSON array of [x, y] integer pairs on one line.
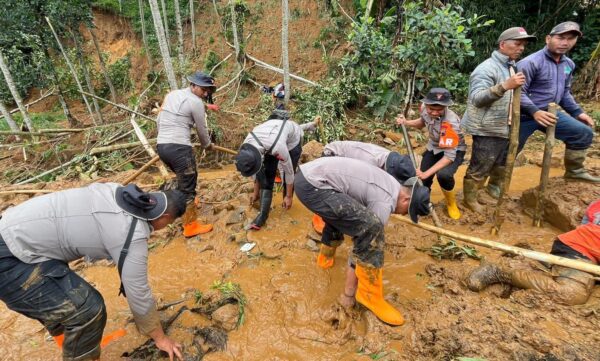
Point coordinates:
[[291, 310]]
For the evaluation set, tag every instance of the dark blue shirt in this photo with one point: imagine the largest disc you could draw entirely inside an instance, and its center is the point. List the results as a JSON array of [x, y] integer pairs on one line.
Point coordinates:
[[547, 81]]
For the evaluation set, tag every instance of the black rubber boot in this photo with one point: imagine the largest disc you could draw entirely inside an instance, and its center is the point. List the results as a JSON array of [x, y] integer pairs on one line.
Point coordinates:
[[485, 275], [266, 196], [574, 169]]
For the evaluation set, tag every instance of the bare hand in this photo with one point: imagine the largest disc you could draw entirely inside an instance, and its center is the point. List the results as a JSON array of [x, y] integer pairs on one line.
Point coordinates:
[[213, 107], [544, 118], [287, 202], [317, 120], [514, 81], [169, 346], [253, 199], [422, 175], [400, 119], [586, 119], [210, 146]]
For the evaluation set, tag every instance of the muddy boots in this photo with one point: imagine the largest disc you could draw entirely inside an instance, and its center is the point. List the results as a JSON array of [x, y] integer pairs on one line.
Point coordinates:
[[326, 256], [574, 168], [470, 189], [191, 226], [451, 206], [266, 196], [496, 181], [370, 295], [486, 275]]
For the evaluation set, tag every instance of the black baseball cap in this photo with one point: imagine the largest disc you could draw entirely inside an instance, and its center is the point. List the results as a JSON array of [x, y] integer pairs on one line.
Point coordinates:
[[202, 79], [399, 166], [439, 96], [419, 199]]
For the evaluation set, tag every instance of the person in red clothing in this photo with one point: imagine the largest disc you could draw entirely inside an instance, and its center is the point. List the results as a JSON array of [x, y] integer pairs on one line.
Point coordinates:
[[564, 285]]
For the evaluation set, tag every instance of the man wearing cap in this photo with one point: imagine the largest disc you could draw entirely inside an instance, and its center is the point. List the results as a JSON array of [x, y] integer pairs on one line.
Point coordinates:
[[446, 146], [487, 116], [549, 73], [101, 221], [272, 144], [356, 198], [182, 110]]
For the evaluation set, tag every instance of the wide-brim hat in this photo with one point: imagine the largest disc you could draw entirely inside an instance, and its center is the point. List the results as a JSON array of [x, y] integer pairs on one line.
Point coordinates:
[[419, 199], [438, 96], [143, 205], [248, 161], [202, 79]]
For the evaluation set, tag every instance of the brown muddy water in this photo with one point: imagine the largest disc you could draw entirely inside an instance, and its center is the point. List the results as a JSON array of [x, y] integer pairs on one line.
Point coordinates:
[[292, 311]]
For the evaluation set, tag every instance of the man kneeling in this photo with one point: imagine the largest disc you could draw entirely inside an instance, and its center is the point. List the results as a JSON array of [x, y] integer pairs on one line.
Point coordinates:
[[356, 198]]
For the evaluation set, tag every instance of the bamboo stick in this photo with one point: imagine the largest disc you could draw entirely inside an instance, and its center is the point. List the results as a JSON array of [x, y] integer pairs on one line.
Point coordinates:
[[27, 191], [224, 150], [514, 122], [141, 170], [546, 163], [110, 148], [120, 106], [262, 64], [51, 92], [497, 246]]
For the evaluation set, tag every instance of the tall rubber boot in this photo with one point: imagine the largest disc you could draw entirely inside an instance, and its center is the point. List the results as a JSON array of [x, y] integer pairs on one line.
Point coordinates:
[[326, 256], [486, 275], [266, 196], [496, 181], [574, 168], [370, 295], [191, 226], [451, 206], [470, 189]]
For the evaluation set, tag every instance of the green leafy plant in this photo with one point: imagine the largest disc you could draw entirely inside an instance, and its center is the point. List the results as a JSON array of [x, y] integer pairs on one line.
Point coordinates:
[[451, 250], [233, 290]]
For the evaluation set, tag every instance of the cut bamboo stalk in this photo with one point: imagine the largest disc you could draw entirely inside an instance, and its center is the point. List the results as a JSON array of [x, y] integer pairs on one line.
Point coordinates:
[[546, 163], [497, 246], [224, 150], [27, 191], [141, 170], [284, 50], [120, 106], [110, 148], [262, 64]]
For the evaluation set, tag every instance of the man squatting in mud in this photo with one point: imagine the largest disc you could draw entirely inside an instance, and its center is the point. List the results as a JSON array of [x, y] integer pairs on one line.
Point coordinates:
[[356, 198], [182, 110], [486, 118], [564, 285], [102, 221], [276, 142]]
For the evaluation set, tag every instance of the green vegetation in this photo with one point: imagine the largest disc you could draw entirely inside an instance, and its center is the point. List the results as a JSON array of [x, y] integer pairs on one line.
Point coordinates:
[[231, 289]]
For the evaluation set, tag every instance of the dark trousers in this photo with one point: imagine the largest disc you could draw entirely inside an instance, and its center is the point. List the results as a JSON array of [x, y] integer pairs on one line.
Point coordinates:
[[58, 298], [182, 161], [266, 175], [344, 215], [575, 134], [445, 176], [488, 152]]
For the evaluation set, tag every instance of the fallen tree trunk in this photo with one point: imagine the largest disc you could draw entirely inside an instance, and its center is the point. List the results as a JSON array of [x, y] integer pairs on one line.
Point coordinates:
[[497, 246], [141, 170]]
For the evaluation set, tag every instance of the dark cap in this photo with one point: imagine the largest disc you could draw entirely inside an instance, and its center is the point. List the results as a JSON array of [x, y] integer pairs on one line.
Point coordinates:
[[419, 199], [439, 96], [566, 27], [248, 160], [202, 79], [399, 166], [140, 204], [516, 33]]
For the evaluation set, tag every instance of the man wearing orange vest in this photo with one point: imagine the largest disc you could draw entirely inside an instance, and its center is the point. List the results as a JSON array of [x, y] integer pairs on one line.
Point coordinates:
[[564, 285]]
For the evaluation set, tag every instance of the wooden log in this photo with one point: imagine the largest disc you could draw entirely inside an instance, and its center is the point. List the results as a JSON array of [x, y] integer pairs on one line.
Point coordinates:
[[224, 150], [546, 163], [141, 170], [497, 246]]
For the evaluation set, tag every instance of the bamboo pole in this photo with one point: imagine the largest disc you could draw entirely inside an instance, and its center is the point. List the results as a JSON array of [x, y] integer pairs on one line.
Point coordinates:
[[111, 87], [262, 64], [224, 150], [86, 74], [546, 163], [27, 191], [141, 170], [514, 121], [497, 246], [31, 103], [76, 159], [120, 106], [10, 83], [285, 51], [110, 148], [236, 41]]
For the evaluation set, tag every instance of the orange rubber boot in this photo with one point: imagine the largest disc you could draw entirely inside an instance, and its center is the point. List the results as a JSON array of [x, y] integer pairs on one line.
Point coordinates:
[[370, 295], [318, 223], [59, 339], [326, 256], [191, 226]]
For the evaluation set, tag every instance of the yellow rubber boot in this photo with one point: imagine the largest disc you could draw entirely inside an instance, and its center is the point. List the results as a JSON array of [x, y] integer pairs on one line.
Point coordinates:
[[370, 295], [191, 226], [326, 256], [451, 206]]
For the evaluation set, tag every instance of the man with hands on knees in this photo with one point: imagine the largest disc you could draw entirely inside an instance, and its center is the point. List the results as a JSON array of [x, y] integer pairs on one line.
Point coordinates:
[[549, 73]]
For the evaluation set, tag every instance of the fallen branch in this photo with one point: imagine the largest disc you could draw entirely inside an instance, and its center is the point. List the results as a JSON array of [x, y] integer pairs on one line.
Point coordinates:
[[120, 106], [72, 161], [219, 63], [224, 150], [27, 191], [262, 64], [141, 170], [110, 148], [50, 92], [497, 246]]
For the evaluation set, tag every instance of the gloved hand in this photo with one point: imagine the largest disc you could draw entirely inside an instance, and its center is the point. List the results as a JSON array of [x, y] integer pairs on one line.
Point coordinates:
[[212, 107]]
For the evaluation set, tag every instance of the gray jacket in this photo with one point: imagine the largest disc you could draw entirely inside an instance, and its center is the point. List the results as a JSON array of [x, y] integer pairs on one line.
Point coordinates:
[[180, 112], [488, 103], [74, 223]]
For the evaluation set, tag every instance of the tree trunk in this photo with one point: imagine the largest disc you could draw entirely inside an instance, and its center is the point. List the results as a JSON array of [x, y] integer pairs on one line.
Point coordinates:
[[193, 26], [165, 23], [284, 51], [162, 42], [15, 93], [113, 93], [179, 42], [144, 38], [86, 74], [87, 104], [236, 40], [73, 122], [9, 119]]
